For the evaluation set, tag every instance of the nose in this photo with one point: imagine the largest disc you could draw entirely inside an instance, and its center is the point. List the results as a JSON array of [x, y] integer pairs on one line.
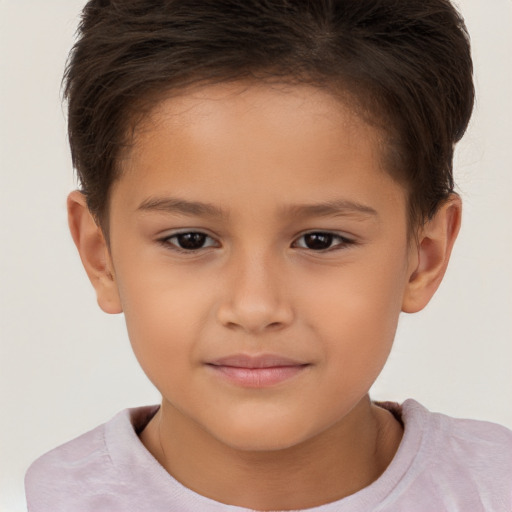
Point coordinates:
[[255, 299]]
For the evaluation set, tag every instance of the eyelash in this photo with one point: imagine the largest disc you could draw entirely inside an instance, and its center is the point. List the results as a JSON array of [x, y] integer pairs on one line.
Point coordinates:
[[344, 242]]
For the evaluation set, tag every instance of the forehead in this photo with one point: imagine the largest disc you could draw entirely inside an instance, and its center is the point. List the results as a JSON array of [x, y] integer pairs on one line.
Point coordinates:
[[243, 98], [251, 141], [254, 111]]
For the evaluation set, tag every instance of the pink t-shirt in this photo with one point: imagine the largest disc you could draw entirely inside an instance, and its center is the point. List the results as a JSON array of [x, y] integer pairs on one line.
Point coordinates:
[[442, 464]]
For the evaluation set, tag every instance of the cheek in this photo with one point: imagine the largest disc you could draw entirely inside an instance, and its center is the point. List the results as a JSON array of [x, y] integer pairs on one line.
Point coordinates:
[[165, 313], [357, 313]]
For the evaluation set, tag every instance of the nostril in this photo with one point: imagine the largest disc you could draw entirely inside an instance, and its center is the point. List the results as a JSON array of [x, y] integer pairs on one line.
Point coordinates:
[[254, 312], [273, 325]]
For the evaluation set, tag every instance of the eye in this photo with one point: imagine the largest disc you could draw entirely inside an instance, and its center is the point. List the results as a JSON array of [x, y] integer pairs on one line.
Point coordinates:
[[189, 241], [322, 241]]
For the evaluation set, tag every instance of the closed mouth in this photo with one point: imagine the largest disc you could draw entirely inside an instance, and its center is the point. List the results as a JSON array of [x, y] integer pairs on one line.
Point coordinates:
[[256, 361], [258, 371]]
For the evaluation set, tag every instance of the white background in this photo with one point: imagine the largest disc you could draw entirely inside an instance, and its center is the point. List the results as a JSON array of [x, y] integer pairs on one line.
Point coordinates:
[[65, 366]]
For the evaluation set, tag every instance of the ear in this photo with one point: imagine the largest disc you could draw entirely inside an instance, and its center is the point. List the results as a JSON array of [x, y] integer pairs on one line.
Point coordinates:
[[94, 252], [433, 249]]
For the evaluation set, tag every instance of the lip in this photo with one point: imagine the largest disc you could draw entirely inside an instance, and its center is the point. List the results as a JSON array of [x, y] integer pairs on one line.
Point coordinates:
[[259, 371]]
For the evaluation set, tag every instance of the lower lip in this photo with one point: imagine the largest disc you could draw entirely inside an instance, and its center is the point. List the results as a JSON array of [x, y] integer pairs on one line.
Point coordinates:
[[258, 377]]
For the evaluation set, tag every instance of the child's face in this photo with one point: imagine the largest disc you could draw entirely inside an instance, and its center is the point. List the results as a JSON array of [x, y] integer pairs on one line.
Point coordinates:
[[256, 172]]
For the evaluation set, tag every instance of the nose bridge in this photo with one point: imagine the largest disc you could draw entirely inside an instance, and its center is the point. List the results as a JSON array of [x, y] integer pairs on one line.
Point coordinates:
[[255, 276], [256, 298]]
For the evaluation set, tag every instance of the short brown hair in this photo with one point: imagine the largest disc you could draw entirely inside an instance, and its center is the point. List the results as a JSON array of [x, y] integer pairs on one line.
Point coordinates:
[[406, 62]]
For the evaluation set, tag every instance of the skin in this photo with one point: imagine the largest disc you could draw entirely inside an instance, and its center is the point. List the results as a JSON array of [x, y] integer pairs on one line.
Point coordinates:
[[259, 154]]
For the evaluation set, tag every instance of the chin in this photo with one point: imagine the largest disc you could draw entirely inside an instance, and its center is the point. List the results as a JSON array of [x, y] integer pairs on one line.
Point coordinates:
[[257, 435], [259, 443]]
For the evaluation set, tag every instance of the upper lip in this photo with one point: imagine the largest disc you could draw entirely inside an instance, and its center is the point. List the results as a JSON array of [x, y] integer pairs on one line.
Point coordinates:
[[256, 361]]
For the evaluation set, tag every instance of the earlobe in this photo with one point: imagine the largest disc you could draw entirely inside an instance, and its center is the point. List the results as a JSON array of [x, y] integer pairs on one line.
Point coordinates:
[[433, 247], [94, 252]]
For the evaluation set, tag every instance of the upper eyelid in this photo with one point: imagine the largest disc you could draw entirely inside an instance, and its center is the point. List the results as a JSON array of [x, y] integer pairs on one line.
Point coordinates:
[[333, 233], [299, 235], [170, 234], [178, 233], [344, 240], [342, 237], [165, 241]]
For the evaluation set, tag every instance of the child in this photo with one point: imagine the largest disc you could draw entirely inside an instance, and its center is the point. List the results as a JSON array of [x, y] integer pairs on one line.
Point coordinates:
[[266, 185]]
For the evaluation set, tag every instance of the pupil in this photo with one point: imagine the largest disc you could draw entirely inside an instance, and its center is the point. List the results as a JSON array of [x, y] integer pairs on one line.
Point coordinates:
[[191, 240], [318, 241]]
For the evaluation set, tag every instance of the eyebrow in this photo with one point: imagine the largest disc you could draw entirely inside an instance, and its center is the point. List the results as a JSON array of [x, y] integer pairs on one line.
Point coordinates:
[[181, 206], [337, 207]]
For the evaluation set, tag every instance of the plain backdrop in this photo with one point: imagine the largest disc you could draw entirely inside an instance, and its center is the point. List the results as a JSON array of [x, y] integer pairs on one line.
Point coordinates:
[[65, 366]]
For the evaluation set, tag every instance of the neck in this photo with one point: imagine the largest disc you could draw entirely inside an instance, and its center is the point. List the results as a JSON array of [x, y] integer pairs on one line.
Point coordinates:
[[340, 461]]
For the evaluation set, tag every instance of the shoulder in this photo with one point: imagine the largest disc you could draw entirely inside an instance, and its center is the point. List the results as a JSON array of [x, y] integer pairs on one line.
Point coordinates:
[[84, 450], [83, 470], [470, 439], [470, 460]]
